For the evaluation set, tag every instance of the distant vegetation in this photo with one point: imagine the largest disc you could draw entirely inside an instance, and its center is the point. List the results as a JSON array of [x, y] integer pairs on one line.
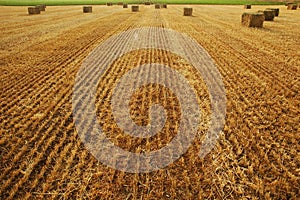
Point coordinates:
[[90, 2]]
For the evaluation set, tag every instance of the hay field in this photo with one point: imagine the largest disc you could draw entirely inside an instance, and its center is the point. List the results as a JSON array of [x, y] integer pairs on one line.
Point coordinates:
[[103, 2], [42, 157]]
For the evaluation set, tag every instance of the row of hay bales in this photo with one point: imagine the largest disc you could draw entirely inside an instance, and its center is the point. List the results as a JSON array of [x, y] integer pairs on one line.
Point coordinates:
[[121, 3], [186, 11], [257, 19], [292, 6], [158, 6], [36, 9], [135, 8], [89, 9]]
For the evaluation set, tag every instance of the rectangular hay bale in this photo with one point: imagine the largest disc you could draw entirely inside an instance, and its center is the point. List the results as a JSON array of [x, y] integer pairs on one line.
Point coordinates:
[[247, 6], [125, 5], [187, 11], [269, 14], [253, 19], [276, 10], [292, 7], [42, 7], [157, 6], [134, 8], [87, 9], [164, 6], [34, 10]]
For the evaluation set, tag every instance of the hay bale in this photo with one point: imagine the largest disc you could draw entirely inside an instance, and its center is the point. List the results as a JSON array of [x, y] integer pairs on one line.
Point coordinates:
[[39, 7], [87, 9], [147, 3], [125, 5], [276, 10], [120, 3], [247, 6], [164, 6], [269, 14], [253, 19], [42, 7], [157, 6], [187, 11], [109, 3], [34, 10], [292, 7], [134, 8]]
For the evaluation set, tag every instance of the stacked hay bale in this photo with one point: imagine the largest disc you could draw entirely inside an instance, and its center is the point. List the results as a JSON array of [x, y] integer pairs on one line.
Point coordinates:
[[276, 10], [125, 5], [34, 10], [157, 6], [269, 14], [164, 5], [253, 19], [187, 11], [135, 8], [292, 7], [42, 7], [109, 3], [247, 6], [87, 9]]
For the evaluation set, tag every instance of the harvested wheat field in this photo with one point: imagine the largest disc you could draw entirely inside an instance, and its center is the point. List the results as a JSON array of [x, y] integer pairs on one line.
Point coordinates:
[[257, 155]]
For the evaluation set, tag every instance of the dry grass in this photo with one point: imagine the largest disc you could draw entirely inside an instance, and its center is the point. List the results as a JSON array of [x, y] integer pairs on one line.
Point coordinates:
[[42, 157]]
